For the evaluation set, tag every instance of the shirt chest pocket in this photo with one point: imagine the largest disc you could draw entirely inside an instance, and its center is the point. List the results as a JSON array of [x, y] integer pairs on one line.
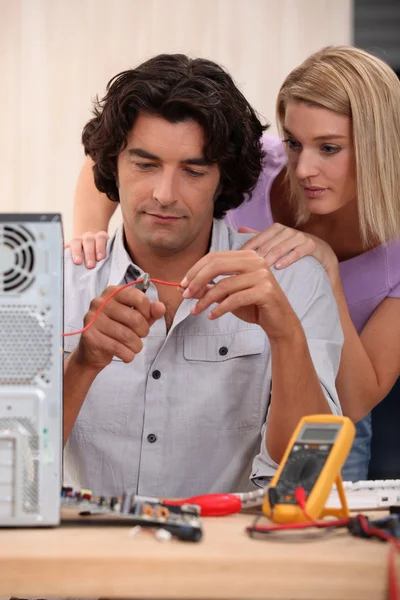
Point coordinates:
[[105, 407], [229, 375]]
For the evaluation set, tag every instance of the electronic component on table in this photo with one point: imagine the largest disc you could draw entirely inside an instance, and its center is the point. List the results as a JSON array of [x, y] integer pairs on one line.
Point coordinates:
[[390, 525], [312, 461], [31, 368], [182, 522], [368, 495]]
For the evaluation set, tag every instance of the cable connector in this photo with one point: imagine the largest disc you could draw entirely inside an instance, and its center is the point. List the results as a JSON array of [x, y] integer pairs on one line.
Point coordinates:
[[301, 497]]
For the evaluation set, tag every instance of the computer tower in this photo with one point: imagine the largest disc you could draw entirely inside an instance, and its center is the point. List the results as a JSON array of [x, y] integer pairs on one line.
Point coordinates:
[[31, 369]]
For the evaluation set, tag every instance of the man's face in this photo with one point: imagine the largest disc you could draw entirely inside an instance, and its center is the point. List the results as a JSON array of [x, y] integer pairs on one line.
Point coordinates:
[[166, 186]]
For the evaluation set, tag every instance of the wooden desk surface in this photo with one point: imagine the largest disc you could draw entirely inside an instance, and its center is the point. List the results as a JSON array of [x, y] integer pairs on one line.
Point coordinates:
[[93, 561]]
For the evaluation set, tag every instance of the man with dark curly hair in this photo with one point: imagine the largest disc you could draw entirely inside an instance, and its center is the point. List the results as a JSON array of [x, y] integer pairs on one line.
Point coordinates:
[[170, 392]]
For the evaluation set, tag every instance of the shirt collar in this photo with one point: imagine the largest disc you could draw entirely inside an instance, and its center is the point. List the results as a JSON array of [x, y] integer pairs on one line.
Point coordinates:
[[219, 236], [121, 262]]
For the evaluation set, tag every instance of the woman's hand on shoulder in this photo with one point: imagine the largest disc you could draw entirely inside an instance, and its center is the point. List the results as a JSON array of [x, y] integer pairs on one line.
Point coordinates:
[[89, 247], [281, 246]]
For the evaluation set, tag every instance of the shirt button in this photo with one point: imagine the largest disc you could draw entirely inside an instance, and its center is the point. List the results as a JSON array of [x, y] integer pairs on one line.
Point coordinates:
[[223, 351], [156, 374], [151, 438]]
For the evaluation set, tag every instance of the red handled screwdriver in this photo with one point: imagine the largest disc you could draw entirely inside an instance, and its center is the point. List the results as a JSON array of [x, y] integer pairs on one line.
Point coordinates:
[[219, 505]]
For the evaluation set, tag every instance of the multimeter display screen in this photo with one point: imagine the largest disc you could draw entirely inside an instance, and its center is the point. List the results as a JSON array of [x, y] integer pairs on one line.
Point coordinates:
[[321, 434]]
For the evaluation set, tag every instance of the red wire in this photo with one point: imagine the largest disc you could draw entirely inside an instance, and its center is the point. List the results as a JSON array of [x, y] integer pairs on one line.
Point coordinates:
[[393, 592], [300, 496], [286, 526], [122, 287], [395, 545]]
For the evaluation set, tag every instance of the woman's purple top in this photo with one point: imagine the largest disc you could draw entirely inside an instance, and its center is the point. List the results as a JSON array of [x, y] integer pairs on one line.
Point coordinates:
[[367, 279]]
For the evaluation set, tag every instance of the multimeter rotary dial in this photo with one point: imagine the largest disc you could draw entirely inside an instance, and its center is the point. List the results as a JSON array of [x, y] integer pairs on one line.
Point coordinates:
[[301, 470]]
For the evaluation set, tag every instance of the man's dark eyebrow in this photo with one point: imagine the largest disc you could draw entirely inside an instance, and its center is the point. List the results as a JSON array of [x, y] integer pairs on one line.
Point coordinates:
[[328, 136], [198, 161], [139, 152]]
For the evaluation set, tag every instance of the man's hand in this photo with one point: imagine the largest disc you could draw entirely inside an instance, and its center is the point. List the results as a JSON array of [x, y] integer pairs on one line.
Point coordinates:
[[250, 291], [119, 329]]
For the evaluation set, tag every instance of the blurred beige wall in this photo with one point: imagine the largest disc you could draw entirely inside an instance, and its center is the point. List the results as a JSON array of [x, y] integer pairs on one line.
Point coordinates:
[[55, 55]]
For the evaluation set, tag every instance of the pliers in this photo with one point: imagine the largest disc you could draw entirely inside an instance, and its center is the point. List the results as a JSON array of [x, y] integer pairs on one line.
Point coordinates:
[[144, 283]]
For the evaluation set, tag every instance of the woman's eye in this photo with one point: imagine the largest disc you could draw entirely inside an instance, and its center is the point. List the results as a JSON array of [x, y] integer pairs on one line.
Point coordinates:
[[329, 149], [292, 144]]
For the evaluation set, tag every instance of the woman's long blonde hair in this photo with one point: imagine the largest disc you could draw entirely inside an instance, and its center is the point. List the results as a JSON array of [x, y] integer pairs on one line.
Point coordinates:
[[356, 84]]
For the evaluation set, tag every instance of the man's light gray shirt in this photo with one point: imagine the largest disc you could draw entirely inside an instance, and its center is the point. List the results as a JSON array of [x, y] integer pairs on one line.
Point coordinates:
[[188, 415]]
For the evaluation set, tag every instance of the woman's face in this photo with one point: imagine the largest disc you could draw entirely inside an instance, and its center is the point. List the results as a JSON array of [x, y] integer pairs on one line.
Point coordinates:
[[321, 156]]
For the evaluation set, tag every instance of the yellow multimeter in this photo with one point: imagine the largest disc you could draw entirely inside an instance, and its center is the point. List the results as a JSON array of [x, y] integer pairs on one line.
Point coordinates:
[[313, 459]]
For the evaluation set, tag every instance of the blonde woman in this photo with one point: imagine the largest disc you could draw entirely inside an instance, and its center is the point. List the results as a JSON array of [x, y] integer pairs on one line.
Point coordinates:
[[334, 194]]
